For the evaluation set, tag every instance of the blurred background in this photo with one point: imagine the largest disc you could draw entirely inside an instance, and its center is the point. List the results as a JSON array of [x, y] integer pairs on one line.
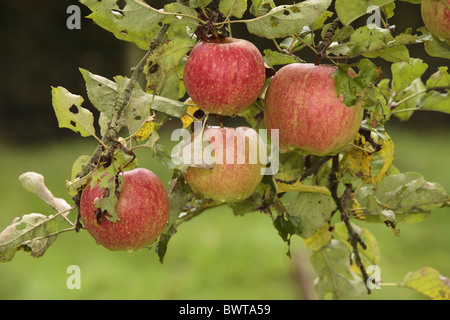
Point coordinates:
[[215, 256]]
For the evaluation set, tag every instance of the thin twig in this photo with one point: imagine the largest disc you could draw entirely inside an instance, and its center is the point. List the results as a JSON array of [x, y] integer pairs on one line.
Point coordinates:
[[327, 39], [343, 205]]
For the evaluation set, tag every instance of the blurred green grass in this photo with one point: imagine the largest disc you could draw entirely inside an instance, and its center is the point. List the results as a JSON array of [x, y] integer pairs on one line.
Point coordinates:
[[214, 256]]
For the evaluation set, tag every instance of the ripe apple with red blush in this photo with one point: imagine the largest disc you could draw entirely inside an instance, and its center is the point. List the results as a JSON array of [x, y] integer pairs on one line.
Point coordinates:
[[224, 76], [142, 211], [236, 167], [436, 17], [301, 102]]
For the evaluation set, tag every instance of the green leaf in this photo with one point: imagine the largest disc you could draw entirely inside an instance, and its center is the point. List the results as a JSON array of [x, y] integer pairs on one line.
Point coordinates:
[[435, 101], [439, 79], [103, 94], [313, 209], [254, 117], [235, 8], [287, 226], [178, 197], [75, 184], [350, 10], [105, 179], [346, 86], [409, 99], [161, 245], [199, 3], [404, 73], [373, 42], [275, 58], [428, 282], [70, 114], [407, 195], [433, 46], [134, 22], [284, 21], [438, 98], [370, 252], [248, 205], [335, 278], [261, 7], [351, 87], [180, 23]]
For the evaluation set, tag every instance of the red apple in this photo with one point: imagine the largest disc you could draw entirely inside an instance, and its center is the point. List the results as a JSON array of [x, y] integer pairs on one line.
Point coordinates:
[[224, 76], [436, 17], [142, 209], [236, 173], [301, 102]]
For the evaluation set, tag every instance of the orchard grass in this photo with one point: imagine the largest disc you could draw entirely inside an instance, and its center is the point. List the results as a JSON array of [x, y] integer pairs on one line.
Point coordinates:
[[217, 255]]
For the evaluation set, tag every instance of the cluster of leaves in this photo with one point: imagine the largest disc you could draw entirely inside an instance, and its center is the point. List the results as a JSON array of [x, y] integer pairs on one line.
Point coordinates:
[[302, 199]]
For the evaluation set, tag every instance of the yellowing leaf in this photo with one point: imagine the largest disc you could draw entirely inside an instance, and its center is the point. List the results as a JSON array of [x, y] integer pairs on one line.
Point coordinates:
[[320, 238], [428, 282], [358, 163], [188, 118], [145, 131], [357, 160], [387, 155], [366, 163], [300, 187], [370, 253]]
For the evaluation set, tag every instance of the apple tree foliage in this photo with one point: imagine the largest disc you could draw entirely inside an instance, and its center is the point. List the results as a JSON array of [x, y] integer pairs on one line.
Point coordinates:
[[328, 201]]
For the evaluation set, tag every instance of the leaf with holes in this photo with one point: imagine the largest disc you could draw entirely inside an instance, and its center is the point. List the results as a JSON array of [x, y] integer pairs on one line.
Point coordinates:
[[373, 42], [161, 69], [406, 195], [132, 22], [350, 10], [284, 21], [70, 114], [314, 209]]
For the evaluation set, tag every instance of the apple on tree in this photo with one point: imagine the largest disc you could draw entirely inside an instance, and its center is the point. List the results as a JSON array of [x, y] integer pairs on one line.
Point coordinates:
[[301, 102], [236, 171], [436, 17], [224, 76], [142, 210]]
